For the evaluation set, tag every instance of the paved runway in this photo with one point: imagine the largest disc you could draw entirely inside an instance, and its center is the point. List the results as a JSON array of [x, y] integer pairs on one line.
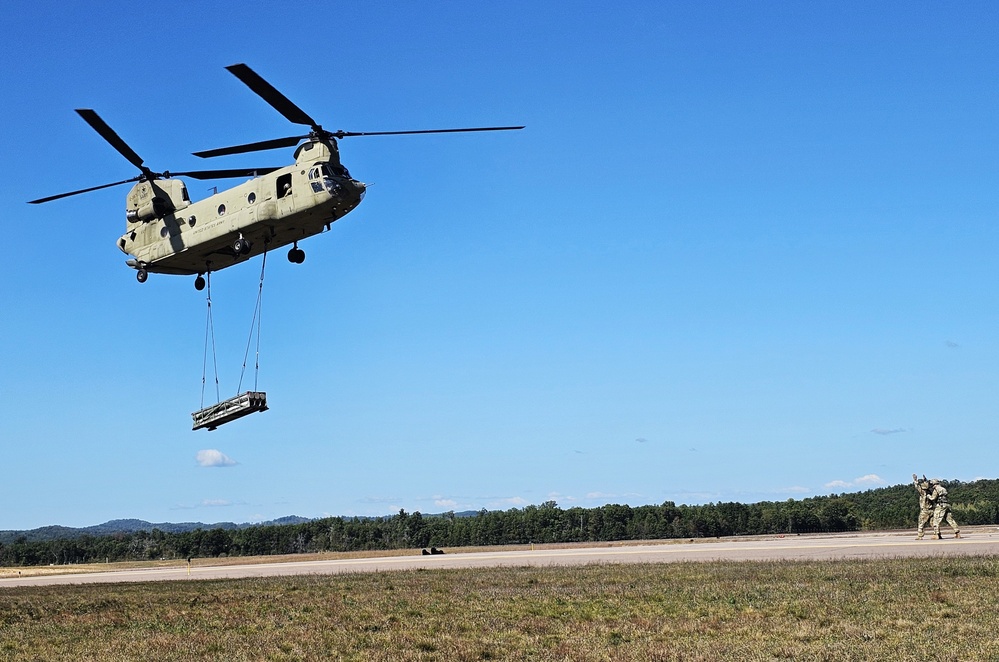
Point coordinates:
[[979, 541]]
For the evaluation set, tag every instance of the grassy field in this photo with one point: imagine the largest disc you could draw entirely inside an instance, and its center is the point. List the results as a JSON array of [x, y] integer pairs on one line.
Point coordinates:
[[927, 609]]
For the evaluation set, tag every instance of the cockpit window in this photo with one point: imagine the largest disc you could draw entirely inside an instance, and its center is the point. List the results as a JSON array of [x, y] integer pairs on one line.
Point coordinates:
[[335, 171]]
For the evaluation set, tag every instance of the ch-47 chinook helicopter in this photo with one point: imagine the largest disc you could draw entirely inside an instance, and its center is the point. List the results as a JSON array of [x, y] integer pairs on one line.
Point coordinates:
[[168, 233]]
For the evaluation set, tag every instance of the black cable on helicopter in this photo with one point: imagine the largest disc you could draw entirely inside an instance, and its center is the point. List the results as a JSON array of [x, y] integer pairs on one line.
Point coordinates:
[[210, 334], [258, 313], [242, 404]]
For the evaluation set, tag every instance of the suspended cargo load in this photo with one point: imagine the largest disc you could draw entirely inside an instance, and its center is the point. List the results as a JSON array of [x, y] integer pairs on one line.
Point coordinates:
[[230, 410]]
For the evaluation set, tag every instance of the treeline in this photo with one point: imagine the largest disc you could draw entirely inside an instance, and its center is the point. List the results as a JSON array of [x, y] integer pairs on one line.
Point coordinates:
[[884, 508]]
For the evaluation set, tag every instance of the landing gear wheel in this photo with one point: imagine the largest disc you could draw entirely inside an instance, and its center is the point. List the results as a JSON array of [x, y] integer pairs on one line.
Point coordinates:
[[296, 256], [199, 283], [241, 246], [141, 275]]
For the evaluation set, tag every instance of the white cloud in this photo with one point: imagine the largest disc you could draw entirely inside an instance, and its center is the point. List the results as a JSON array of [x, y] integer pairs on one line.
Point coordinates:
[[562, 499], [510, 502], [445, 503], [863, 481], [692, 497], [214, 458]]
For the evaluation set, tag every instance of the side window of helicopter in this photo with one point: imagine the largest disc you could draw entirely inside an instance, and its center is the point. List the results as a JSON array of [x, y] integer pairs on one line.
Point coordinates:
[[314, 180], [284, 185], [221, 210], [251, 197]]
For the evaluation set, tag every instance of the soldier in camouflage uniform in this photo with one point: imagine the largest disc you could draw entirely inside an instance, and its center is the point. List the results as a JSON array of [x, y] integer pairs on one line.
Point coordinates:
[[925, 505], [941, 509]]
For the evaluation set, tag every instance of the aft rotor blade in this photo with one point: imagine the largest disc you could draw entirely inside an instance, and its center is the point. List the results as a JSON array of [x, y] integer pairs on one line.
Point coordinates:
[[252, 147], [106, 132], [85, 190], [223, 174], [265, 90], [349, 134]]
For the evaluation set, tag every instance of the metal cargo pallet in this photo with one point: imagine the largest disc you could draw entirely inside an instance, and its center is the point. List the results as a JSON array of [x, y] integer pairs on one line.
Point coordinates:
[[230, 410]]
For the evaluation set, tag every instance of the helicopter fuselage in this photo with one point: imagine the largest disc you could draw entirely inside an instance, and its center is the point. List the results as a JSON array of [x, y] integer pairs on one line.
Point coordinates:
[[166, 233]]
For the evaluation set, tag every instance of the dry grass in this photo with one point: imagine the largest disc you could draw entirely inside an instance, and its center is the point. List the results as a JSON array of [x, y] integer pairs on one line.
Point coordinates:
[[938, 608]]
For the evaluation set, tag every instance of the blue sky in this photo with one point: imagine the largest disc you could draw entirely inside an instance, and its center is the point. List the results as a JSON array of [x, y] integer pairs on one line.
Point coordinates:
[[741, 252]]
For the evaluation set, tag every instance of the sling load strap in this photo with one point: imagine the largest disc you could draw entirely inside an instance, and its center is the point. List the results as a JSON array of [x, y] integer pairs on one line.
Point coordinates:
[[209, 335], [257, 315]]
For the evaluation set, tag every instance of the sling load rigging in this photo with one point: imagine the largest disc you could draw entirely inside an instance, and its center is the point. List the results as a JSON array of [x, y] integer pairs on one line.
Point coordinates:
[[244, 403]]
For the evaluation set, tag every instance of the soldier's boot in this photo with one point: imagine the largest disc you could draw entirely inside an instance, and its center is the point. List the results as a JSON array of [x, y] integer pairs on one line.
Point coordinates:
[[919, 537], [957, 534], [939, 537]]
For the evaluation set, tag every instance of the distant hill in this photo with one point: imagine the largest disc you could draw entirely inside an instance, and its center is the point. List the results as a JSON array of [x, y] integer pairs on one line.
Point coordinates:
[[57, 532], [131, 526]]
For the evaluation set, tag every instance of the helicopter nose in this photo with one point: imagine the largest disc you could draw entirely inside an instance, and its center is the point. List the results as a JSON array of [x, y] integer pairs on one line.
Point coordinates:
[[360, 187]]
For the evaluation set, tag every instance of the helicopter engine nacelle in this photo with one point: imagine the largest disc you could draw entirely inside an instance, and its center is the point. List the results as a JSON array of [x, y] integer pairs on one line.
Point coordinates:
[[150, 211], [148, 201]]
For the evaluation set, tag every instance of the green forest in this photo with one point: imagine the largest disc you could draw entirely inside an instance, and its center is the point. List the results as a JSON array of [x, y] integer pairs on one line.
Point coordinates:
[[893, 507]]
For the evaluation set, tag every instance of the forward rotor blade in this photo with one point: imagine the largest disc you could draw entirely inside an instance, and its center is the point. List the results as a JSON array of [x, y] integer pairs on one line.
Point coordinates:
[[268, 93], [223, 174], [349, 134], [85, 190], [252, 147], [106, 132]]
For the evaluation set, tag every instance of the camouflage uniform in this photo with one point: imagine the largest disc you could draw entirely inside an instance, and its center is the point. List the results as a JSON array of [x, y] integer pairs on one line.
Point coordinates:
[[925, 505], [941, 509]]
